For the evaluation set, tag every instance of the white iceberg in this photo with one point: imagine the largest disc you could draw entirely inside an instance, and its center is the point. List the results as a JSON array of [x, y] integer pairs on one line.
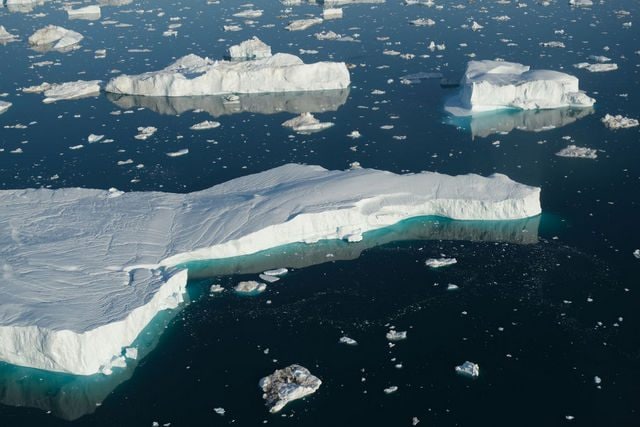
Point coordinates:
[[56, 38], [578, 152], [596, 68], [4, 106], [192, 75], [89, 13], [440, 262], [306, 123], [394, 335], [207, 124], [24, 6], [286, 385], [254, 48], [250, 287], [71, 90], [303, 24], [84, 271], [6, 36], [468, 369], [581, 2], [276, 272], [619, 122], [348, 341], [493, 85], [331, 13]]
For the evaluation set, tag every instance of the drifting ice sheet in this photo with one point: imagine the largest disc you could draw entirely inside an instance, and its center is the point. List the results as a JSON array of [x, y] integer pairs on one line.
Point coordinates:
[[192, 75], [84, 271], [494, 85]]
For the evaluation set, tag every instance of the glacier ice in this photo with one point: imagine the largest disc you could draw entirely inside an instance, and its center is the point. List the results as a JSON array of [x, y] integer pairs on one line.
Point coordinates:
[[493, 85], [192, 75], [254, 48], [56, 38], [84, 271], [286, 385]]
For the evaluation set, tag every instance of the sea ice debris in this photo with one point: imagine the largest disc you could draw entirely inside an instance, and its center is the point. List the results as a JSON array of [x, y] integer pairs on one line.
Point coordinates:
[[469, 369], [306, 123], [440, 262], [250, 287], [286, 385], [71, 90], [394, 335], [619, 122], [578, 152]]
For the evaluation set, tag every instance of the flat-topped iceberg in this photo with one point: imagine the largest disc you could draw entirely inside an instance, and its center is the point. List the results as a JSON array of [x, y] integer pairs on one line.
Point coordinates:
[[84, 271], [192, 75], [494, 85], [89, 13]]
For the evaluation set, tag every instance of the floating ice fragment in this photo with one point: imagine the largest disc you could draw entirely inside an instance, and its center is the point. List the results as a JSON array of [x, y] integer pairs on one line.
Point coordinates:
[[354, 134], [581, 2], [394, 335], [145, 132], [219, 411], [440, 262], [619, 122], [250, 287], [306, 123], [578, 152], [452, 287], [207, 124], [276, 272], [475, 26], [249, 13], [89, 13], [596, 68], [94, 138], [469, 369], [391, 389], [303, 24], [5, 36], [286, 385], [4, 106], [131, 353], [636, 253], [54, 37], [71, 90], [178, 153], [332, 13], [348, 341]]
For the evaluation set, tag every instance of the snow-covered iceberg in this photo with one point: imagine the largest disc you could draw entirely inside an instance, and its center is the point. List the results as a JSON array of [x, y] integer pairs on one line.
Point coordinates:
[[494, 85], [254, 48], [218, 105], [84, 271], [53, 37], [192, 75]]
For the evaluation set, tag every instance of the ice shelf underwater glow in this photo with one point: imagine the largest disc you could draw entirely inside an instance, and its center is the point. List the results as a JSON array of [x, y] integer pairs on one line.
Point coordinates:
[[494, 85], [84, 271]]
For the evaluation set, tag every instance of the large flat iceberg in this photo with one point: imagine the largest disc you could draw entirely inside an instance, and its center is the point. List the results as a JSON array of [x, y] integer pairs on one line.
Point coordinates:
[[84, 271], [494, 85], [192, 75]]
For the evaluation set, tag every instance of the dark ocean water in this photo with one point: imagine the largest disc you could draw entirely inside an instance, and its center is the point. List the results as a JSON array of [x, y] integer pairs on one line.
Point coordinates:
[[544, 306]]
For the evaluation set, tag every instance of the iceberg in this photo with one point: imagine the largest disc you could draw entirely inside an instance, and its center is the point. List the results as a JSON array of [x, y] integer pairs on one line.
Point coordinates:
[[286, 385], [6, 36], [4, 106], [56, 38], [192, 75], [440, 262], [619, 122], [494, 85], [254, 48], [84, 271], [71, 90], [468, 369], [219, 105], [89, 13], [303, 24], [574, 151], [23, 6], [306, 123]]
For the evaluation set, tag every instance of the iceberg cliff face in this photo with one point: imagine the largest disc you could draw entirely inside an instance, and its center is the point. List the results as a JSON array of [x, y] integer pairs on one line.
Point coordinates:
[[494, 85], [192, 75], [84, 271]]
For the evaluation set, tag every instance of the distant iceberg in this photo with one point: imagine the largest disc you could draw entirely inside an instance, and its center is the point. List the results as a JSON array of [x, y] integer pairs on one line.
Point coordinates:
[[192, 75], [84, 271], [494, 85]]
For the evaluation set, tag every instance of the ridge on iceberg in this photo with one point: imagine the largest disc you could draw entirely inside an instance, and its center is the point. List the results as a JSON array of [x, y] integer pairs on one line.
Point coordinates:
[[192, 75], [254, 48], [494, 85], [84, 271]]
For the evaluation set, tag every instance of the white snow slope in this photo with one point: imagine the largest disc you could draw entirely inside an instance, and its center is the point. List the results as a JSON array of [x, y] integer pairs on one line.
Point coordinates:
[[192, 75], [493, 85], [84, 271]]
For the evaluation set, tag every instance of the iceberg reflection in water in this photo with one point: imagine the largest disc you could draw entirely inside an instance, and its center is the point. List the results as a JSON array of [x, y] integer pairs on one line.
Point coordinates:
[[218, 105], [504, 121], [70, 397]]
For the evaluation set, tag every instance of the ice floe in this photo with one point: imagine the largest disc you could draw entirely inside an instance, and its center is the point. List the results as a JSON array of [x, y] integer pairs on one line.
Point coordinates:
[[578, 152], [55, 38], [306, 123], [440, 262], [286, 385], [192, 75], [493, 85], [619, 122], [84, 272], [71, 90]]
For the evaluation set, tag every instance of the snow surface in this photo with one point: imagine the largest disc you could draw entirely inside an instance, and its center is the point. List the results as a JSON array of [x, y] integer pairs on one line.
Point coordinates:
[[192, 75], [286, 385], [494, 85], [84, 271]]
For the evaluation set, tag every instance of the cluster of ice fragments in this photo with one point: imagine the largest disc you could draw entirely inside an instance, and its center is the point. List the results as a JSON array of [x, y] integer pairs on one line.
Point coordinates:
[[84, 271], [192, 75], [619, 122], [493, 85], [578, 152], [286, 385]]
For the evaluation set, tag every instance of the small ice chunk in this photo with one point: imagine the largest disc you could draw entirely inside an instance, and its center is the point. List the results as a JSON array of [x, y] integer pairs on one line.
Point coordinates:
[[636, 253], [55, 37], [452, 287], [216, 289], [6, 36], [94, 138], [440, 262], [619, 122], [348, 341], [250, 287], [286, 385], [4, 106], [277, 272], [303, 24], [422, 22], [578, 152], [178, 153], [145, 132], [354, 134], [469, 369], [89, 13], [219, 411], [131, 353], [306, 123], [475, 26], [332, 13], [394, 335], [268, 279], [249, 14], [581, 2], [207, 124], [391, 389]]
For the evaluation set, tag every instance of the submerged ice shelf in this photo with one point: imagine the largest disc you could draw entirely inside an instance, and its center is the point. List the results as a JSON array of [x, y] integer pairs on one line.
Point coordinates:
[[86, 270]]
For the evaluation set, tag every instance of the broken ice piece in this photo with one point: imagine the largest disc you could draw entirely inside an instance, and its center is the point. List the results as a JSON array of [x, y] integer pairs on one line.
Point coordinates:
[[619, 122], [250, 287], [145, 132], [4, 106], [277, 272], [391, 389], [394, 335], [207, 124], [54, 37], [219, 411], [440, 262], [71, 90], [254, 48], [131, 353], [94, 138], [216, 289], [578, 152], [305, 123], [636, 253], [268, 279], [468, 369], [286, 385], [348, 341]]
